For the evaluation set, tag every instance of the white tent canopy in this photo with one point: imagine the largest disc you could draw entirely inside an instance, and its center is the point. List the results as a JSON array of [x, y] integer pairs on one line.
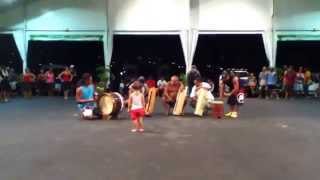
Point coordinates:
[[187, 18]]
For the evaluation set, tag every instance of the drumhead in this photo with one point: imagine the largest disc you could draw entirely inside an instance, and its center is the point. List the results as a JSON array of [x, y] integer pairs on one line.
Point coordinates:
[[121, 99], [217, 102], [106, 104]]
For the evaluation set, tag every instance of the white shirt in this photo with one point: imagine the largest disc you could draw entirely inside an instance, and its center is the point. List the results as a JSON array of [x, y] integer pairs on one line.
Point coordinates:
[[203, 85], [136, 101], [161, 83]]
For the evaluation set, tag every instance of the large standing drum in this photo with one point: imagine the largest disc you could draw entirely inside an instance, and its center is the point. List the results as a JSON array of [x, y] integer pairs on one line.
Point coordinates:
[[111, 104]]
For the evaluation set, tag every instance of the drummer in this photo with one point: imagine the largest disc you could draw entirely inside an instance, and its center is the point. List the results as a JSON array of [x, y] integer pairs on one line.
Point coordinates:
[[235, 99], [198, 84], [85, 93], [170, 93]]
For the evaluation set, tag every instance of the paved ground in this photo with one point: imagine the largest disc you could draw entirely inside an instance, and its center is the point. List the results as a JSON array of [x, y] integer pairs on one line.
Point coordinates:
[[41, 139]]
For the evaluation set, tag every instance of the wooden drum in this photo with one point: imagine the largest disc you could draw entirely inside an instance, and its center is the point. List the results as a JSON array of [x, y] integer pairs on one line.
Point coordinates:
[[217, 109], [110, 104]]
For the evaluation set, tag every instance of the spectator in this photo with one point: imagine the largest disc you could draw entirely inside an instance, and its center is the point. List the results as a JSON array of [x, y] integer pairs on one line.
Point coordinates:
[[299, 81], [263, 82], [4, 84], [252, 82], [28, 80], [272, 79], [50, 78], [151, 83], [41, 82], [307, 81], [66, 78], [289, 80], [13, 81]]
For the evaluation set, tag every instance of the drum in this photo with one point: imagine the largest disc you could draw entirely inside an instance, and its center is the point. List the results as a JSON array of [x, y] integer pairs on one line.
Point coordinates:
[[217, 109], [151, 101], [111, 104], [202, 102]]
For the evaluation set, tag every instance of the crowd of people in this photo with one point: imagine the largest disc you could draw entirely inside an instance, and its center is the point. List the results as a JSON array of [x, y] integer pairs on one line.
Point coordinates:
[[45, 83], [286, 82]]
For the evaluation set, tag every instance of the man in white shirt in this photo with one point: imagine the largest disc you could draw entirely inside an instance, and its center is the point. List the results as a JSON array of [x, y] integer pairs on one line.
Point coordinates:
[[195, 89]]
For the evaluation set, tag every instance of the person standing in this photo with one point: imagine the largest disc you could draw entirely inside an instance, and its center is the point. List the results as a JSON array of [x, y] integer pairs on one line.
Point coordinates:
[[13, 81], [263, 82], [74, 78], [41, 82], [192, 75], [50, 78], [299, 81], [28, 81], [136, 104], [272, 79], [66, 79], [234, 99], [252, 82], [4, 84], [307, 81], [289, 80]]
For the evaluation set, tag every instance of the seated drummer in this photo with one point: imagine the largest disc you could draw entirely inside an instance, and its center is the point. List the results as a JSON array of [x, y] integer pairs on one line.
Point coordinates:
[[170, 93], [85, 93], [198, 84]]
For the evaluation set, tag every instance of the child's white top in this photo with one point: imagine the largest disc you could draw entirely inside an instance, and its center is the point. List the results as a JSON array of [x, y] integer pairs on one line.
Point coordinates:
[[136, 99]]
